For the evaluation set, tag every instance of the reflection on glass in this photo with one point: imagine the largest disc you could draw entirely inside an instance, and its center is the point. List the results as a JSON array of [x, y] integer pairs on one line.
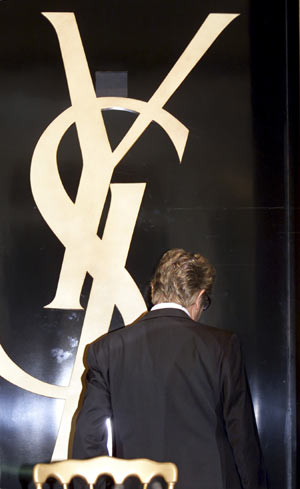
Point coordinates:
[[109, 436]]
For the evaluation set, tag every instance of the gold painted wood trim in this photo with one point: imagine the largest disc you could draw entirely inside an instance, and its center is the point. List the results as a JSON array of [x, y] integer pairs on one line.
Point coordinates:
[[118, 469]]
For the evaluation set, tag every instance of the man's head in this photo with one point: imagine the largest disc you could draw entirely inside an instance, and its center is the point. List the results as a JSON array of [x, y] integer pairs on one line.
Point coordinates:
[[184, 278]]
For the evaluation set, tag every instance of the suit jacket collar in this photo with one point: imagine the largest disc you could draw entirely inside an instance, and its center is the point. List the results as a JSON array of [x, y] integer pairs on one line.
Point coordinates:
[[165, 312]]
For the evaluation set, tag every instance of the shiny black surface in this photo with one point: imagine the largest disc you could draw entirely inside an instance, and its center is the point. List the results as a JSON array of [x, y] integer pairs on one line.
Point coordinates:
[[229, 198]]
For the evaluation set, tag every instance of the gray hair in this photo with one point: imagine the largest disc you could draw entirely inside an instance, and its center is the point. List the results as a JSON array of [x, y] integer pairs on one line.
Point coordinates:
[[180, 276]]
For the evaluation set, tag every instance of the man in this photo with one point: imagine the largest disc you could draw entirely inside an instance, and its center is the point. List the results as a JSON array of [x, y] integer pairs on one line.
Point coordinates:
[[175, 389]]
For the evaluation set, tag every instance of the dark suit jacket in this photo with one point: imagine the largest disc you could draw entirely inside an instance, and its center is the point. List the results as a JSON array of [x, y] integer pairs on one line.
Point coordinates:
[[176, 391]]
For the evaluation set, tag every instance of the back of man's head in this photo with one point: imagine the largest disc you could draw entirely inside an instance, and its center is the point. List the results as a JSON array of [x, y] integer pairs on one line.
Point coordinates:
[[180, 276]]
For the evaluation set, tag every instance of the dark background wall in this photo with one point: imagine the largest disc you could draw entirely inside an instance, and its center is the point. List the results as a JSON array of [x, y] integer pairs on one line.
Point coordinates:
[[231, 198]]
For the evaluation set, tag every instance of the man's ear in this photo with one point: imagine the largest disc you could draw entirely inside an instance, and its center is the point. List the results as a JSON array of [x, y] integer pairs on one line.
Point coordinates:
[[198, 298]]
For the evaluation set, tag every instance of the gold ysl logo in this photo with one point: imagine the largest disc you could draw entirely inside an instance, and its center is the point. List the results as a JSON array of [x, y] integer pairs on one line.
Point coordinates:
[[76, 224]]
